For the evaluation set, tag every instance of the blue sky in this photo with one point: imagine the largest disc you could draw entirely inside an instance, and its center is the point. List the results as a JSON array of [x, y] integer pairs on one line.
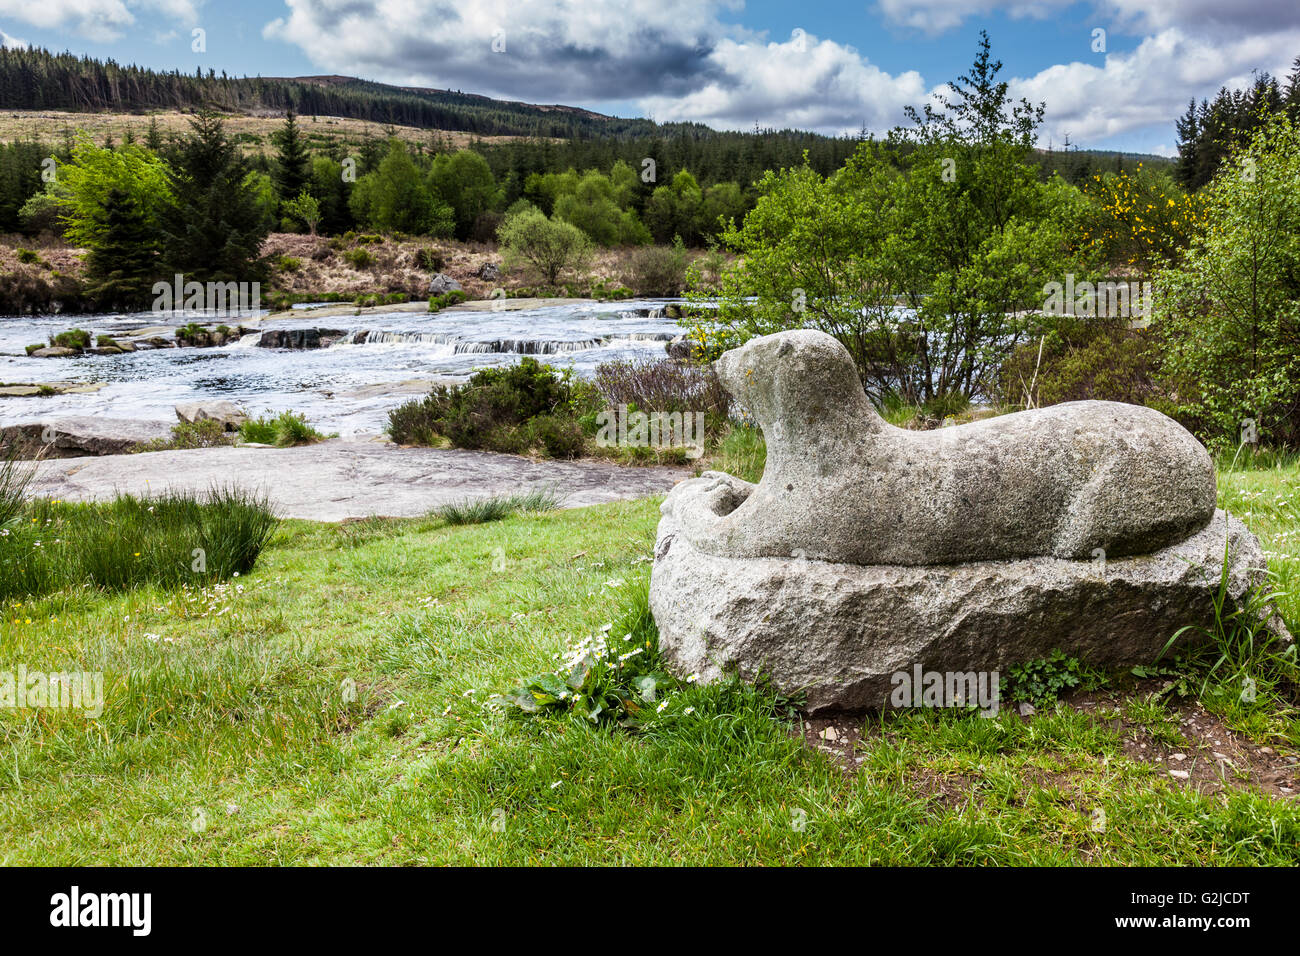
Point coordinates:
[[830, 66]]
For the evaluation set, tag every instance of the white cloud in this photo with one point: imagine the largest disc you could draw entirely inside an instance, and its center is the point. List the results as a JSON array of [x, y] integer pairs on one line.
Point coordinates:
[[93, 19], [938, 16], [12, 42], [1209, 18], [546, 51], [803, 82], [676, 59], [1186, 49], [98, 20], [1135, 17], [1150, 85]]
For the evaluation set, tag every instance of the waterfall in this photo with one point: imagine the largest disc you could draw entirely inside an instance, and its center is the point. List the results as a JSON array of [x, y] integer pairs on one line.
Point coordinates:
[[461, 347]]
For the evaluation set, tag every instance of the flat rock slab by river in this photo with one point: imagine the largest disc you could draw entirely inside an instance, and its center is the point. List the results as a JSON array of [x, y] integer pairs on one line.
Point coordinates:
[[336, 479]]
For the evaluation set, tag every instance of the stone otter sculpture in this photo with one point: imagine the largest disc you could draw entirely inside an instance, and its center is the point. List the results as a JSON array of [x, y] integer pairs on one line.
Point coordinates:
[[842, 485]]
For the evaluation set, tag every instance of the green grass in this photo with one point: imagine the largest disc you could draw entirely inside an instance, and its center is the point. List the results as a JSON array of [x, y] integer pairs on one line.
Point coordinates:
[[283, 431], [482, 510], [167, 540], [331, 707]]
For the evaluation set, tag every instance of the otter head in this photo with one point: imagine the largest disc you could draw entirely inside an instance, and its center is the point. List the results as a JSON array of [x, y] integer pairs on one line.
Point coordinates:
[[796, 383]]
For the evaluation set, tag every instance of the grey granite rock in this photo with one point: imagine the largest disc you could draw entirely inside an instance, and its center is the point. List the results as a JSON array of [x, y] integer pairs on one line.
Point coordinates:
[[838, 632], [442, 283], [73, 437], [230, 415]]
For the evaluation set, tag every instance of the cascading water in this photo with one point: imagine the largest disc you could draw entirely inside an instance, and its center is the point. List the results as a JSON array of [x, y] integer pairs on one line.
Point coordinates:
[[348, 387]]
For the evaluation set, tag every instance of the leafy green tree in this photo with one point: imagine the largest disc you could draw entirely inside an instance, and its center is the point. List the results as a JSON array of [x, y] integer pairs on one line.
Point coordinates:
[[305, 208], [722, 202], [264, 190], [396, 198], [815, 254], [965, 234], [20, 179], [548, 246], [215, 224], [979, 236], [464, 181], [41, 214], [542, 189], [85, 182], [291, 171], [627, 185], [153, 140], [1228, 315], [675, 210], [593, 207]]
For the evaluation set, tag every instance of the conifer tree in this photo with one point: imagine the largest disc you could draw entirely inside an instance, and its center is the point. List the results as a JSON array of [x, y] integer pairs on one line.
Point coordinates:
[[215, 224], [120, 268], [291, 173]]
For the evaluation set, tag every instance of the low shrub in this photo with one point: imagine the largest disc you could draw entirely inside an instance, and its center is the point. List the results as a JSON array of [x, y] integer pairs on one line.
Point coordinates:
[[666, 385], [191, 332], [283, 431], [359, 258], [606, 291], [657, 270], [1092, 360], [24, 292], [496, 410], [439, 302], [558, 435], [280, 301], [207, 433], [71, 339], [288, 264], [430, 260]]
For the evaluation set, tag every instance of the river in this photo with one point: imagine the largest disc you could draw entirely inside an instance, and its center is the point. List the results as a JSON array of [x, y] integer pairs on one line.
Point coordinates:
[[347, 387]]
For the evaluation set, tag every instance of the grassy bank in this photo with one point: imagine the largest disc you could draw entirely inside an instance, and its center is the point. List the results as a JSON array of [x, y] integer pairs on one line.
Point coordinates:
[[329, 707], [365, 268]]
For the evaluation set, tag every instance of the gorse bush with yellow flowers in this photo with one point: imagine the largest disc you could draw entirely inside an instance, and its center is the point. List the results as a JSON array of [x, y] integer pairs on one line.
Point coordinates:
[[1141, 221]]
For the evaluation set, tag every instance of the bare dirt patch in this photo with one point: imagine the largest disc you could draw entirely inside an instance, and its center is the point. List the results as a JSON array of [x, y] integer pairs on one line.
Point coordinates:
[[1210, 758]]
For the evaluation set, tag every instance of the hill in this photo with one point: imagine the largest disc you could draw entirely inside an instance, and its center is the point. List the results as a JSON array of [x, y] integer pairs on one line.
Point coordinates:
[[36, 79]]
